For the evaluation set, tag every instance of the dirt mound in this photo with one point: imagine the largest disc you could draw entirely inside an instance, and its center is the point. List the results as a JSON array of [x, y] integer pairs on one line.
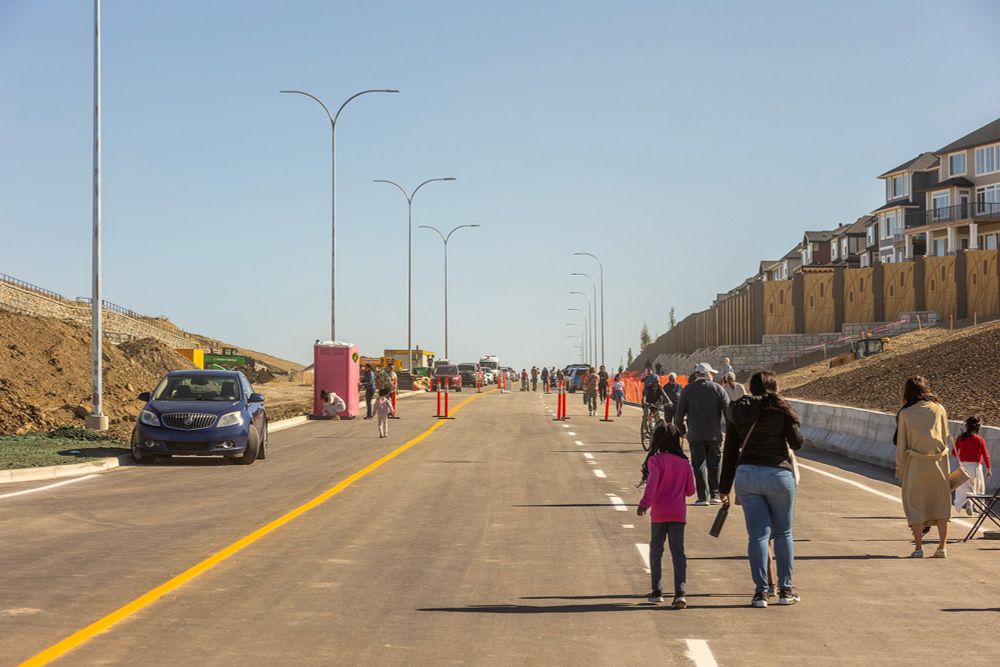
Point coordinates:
[[45, 375], [155, 356], [963, 368]]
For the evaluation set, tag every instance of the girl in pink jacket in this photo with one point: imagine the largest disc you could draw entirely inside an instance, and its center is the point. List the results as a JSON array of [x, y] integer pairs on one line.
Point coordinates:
[[669, 479]]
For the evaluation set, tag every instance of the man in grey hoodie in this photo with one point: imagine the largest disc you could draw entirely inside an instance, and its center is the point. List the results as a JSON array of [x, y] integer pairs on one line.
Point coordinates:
[[704, 403]]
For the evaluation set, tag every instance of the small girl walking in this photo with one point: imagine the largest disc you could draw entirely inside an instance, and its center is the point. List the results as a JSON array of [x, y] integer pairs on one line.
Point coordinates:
[[669, 479], [618, 393], [383, 408], [970, 450]]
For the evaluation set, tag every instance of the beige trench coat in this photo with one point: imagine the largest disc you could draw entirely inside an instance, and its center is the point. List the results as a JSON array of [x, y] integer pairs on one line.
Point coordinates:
[[922, 463]]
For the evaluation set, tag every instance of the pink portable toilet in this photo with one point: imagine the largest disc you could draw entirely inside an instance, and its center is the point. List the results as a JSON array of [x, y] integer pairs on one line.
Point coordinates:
[[335, 368]]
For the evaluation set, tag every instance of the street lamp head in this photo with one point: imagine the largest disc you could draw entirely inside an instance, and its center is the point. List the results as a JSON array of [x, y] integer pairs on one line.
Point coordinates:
[[389, 90], [449, 178]]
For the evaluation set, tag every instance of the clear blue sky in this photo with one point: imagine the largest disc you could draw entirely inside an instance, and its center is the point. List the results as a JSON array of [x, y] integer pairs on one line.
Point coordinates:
[[682, 142]]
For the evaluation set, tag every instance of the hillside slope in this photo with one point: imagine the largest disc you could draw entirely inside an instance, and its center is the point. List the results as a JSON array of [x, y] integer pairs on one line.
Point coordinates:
[[45, 374], [963, 368]]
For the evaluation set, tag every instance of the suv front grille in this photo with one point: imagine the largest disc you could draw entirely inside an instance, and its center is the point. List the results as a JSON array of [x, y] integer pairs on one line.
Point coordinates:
[[188, 421]]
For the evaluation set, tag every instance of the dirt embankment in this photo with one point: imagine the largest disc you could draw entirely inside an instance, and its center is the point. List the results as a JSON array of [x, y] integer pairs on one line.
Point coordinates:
[[45, 375], [963, 368]]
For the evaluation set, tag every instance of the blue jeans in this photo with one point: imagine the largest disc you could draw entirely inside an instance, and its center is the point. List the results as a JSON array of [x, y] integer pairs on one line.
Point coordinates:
[[768, 498], [673, 533]]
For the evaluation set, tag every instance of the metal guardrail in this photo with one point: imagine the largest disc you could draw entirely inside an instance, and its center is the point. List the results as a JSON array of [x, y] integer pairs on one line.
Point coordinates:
[[976, 210], [107, 305], [33, 288]]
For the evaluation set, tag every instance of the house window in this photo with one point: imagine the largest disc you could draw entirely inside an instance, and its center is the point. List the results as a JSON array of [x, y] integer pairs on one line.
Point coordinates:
[[893, 222], [988, 159], [956, 164], [897, 186], [939, 205], [988, 199], [843, 248], [871, 235]]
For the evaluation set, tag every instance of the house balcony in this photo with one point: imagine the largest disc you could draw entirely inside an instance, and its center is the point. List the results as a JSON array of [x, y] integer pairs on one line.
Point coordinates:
[[977, 212]]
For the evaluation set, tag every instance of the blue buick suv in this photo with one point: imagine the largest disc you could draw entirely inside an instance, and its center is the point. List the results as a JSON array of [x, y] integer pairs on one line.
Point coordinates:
[[201, 413]]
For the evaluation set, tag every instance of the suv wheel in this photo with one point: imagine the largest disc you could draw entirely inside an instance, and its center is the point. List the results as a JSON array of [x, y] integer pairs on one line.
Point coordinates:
[[263, 444]]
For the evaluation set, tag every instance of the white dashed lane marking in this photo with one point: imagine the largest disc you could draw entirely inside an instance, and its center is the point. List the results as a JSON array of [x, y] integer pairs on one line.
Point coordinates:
[[618, 503], [588, 455], [599, 473]]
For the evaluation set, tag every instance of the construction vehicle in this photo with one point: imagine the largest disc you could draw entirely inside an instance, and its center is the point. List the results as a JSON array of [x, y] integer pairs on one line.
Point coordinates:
[[860, 348]]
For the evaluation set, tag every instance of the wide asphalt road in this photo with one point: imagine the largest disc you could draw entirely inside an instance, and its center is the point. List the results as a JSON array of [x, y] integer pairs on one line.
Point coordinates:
[[501, 537]]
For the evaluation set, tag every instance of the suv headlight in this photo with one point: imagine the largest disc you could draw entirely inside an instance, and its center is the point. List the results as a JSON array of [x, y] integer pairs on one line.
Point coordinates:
[[149, 418], [231, 419]]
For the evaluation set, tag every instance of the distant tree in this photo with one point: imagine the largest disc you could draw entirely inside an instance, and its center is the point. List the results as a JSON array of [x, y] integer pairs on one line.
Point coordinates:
[[630, 358], [673, 319], [644, 338]]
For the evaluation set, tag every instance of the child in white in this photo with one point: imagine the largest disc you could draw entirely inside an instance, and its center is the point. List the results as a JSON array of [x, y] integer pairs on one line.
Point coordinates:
[[383, 408]]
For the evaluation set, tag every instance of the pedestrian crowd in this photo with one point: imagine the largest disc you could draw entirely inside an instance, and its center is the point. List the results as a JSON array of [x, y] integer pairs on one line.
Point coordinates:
[[743, 448]]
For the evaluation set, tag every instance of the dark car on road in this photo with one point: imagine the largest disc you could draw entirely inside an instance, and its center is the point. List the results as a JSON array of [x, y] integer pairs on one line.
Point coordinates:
[[448, 376], [201, 413], [471, 375]]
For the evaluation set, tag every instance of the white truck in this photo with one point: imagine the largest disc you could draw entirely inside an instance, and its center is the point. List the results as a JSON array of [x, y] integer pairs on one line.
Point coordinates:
[[490, 362]]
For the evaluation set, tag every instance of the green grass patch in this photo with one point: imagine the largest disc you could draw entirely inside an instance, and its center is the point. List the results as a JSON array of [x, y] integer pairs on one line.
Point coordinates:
[[63, 445]]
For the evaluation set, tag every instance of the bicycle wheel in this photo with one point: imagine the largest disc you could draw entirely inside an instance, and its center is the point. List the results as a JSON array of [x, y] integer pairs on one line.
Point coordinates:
[[644, 435]]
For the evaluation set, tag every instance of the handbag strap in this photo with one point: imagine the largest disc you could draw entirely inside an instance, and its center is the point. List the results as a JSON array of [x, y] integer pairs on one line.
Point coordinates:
[[746, 438]]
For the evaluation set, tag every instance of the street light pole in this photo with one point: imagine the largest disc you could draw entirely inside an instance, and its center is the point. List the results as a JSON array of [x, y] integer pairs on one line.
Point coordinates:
[[333, 191], [586, 330], [577, 346], [445, 240], [590, 322], [97, 420], [409, 261], [601, 266], [595, 312]]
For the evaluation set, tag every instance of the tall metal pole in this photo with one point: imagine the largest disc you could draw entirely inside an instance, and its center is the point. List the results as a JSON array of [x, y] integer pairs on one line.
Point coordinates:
[[97, 419], [409, 260], [579, 335], [333, 192], [445, 239], [600, 264]]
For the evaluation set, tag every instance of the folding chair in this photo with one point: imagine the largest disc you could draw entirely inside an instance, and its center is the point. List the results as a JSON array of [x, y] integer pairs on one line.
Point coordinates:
[[988, 507]]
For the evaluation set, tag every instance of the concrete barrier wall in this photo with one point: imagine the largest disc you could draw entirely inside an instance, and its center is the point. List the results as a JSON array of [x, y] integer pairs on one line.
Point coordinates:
[[866, 435]]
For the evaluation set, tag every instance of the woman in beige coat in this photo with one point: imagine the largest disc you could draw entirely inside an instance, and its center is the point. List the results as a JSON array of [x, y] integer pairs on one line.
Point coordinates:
[[922, 444]]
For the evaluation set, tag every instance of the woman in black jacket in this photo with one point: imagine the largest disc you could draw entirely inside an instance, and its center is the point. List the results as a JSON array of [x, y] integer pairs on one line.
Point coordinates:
[[765, 480]]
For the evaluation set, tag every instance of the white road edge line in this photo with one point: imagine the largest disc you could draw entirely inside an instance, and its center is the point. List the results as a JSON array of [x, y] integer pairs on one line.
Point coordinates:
[[644, 554], [599, 473], [48, 486], [699, 653], [618, 503], [869, 489]]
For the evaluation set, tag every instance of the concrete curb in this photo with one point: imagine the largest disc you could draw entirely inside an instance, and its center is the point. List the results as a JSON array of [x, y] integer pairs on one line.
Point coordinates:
[[101, 465]]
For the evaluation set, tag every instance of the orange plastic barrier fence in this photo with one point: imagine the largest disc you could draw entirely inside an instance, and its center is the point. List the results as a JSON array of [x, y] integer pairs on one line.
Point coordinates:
[[633, 385]]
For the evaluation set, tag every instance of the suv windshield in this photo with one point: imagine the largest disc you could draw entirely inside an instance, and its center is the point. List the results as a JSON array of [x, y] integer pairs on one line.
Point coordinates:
[[446, 370], [468, 368], [201, 387]]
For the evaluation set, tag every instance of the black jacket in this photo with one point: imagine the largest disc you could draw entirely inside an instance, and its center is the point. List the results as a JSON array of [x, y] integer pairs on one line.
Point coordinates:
[[768, 444]]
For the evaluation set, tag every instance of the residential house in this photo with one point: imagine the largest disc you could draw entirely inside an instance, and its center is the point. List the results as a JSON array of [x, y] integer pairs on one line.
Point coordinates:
[[904, 206], [767, 269], [848, 243], [870, 255], [783, 268], [963, 206], [816, 248]]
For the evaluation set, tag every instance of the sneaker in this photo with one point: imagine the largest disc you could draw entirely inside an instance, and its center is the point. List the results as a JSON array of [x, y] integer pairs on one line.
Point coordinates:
[[680, 602], [787, 596], [917, 553], [655, 596], [701, 503], [941, 553], [759, 600], [716, 500]]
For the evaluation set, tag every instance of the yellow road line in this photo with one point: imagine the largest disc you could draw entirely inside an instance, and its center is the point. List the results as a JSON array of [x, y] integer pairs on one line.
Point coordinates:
[[84, 635]]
